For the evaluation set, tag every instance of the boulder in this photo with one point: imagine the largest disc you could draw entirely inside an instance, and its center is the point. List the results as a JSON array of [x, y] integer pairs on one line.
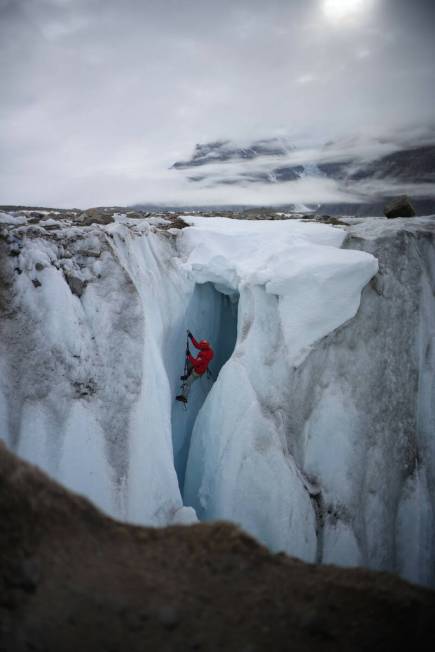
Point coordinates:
[[77, 285], [95, 216], [399, 207]]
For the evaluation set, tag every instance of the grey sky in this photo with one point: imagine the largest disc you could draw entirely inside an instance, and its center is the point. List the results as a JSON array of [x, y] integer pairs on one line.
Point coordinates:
[[99, 97]]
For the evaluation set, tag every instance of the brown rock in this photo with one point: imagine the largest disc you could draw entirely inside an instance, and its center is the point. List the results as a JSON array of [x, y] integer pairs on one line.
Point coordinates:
[[77, 286], [400, 207], [94, 216]]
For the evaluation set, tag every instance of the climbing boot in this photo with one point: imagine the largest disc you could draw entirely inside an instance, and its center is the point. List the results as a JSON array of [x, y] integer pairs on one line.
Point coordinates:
[[184, 377], [181, 398]]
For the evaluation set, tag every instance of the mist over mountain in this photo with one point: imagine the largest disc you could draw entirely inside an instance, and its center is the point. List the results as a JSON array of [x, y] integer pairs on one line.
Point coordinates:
[[368, 172], [225, 150]]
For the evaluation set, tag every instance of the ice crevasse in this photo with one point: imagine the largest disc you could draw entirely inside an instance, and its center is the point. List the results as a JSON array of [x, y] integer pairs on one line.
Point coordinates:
[[299, 440], [295, 285]]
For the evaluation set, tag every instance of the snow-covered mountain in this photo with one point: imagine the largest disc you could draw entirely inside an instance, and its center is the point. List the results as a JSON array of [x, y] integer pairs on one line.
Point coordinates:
[[412, 164], [317, 434], [334, 160], [368, 171], [225, 150], [258, 161]]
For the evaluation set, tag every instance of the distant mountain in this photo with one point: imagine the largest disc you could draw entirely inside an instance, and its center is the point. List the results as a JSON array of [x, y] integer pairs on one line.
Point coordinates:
[[262, 159], [414, 164], [372, 172], [225, 150]]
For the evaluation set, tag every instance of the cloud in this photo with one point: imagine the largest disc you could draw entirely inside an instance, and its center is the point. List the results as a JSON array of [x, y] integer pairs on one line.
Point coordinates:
[[305, 79], [100, 96], [347, 12], [363, 53]]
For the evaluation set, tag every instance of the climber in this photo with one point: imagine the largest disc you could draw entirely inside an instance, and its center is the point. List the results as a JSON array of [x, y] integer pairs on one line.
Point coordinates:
[[195, 367]]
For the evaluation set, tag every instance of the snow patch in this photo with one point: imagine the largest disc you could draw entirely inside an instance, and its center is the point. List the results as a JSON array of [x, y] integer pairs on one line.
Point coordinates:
[[319, 285], [6, 218]]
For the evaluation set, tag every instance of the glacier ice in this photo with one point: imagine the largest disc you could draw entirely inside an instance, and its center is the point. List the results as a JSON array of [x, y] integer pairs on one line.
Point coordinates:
[[86, 391], [318, 435], [296, 285]]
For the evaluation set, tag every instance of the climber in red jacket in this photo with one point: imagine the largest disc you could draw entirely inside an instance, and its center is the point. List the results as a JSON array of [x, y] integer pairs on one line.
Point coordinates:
[[196, 366]]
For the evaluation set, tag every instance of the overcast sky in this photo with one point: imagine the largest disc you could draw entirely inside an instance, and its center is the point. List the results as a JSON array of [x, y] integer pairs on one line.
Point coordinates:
[[100, 97]]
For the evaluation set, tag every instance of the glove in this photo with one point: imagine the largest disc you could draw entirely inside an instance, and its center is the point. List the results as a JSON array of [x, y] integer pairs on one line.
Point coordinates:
[[189, 335]]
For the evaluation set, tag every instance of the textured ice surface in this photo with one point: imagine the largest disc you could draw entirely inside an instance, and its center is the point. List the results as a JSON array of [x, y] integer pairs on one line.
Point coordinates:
[[296, 285], [86, 385], [353, 415], [319, 434]]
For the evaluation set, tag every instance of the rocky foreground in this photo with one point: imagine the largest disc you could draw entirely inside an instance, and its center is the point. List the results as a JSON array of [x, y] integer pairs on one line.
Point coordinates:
[[73, 579]]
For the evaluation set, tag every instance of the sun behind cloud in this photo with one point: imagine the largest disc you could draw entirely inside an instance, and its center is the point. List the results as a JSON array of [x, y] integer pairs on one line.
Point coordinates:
[[344, 11]]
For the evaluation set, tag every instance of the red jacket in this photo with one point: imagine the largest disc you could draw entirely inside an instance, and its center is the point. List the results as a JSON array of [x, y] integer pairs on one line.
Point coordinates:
[[201, 362]]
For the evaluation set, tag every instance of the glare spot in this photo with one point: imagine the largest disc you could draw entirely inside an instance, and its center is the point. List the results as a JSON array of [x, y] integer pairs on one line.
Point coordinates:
[[340, 11]]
